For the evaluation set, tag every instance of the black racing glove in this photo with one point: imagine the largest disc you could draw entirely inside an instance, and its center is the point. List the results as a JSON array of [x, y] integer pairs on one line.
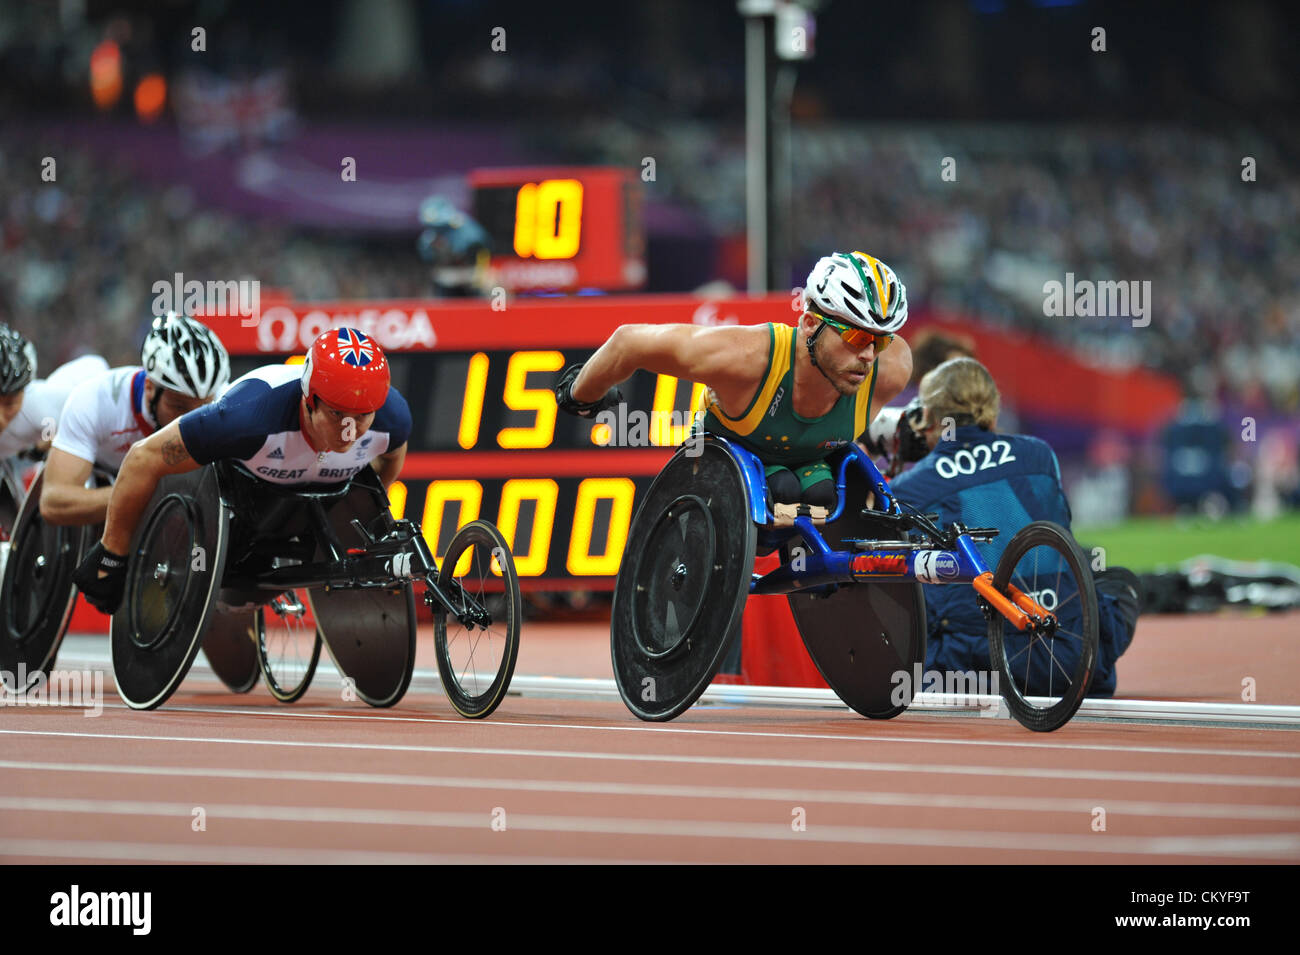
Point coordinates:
[[583, 409], [104, 593]]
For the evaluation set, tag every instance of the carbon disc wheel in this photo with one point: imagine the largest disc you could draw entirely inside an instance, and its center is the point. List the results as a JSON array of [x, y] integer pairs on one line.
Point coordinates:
[[37, 593]]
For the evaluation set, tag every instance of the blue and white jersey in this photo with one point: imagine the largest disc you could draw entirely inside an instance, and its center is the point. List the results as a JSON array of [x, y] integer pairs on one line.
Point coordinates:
[[256, 422]]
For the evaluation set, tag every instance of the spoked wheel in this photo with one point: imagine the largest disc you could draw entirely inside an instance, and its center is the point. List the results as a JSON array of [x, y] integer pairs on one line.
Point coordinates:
[[1045, 670], [476, 655], [288, 648]]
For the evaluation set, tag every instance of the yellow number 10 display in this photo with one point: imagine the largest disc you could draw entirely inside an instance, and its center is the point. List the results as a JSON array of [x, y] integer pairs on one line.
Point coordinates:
[[548, 219]]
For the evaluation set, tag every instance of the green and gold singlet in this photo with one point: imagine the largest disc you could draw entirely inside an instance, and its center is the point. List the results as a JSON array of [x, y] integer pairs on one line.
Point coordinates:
[[772, 430]]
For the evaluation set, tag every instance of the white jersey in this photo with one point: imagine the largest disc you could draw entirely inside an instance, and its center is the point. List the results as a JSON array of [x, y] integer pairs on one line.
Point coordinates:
[[43, 401], [104, 416]]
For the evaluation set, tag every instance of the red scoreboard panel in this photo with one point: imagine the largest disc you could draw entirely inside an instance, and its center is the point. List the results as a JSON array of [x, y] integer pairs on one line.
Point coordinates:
[[487, 438], [562, 228]]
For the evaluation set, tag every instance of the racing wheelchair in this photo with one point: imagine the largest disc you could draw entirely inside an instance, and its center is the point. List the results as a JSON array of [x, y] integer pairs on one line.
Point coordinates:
[[37, 596], [852, 578], [220, 552]]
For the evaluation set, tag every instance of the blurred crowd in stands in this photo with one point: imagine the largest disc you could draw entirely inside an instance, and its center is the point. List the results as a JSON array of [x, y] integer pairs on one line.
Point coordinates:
[[79, 256], [1020, 206]]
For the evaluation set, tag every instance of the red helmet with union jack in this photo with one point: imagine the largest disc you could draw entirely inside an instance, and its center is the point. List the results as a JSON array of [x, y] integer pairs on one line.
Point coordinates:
[[347, 370]]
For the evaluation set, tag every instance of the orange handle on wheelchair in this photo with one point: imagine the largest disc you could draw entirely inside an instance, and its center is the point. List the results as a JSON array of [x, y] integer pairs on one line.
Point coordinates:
[[1018, 609], [1027, 603], [983, 585]]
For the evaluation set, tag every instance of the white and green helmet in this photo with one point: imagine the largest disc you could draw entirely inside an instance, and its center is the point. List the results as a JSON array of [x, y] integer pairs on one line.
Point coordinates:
[[856, 288]]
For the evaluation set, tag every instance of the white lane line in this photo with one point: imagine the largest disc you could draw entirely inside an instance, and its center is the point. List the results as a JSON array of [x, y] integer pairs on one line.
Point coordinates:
[[1041, 772], [1273, 845], [270, 855], [363, 716], [831, 797]]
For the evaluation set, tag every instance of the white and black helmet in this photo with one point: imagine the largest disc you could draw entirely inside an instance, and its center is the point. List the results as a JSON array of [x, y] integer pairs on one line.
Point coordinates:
[[17, 361], [859, 289], [185, 356]]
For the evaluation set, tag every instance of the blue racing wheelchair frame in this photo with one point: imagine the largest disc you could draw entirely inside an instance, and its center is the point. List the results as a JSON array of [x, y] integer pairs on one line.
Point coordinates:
[[852, 577]]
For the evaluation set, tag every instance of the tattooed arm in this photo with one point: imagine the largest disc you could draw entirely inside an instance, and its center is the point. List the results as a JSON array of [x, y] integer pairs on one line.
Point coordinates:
[[158, 455]]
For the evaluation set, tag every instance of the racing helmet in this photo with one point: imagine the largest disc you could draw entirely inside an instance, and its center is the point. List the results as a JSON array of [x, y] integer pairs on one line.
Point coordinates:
[[859, 289], [347, 370], [17, 361], [185, 356]]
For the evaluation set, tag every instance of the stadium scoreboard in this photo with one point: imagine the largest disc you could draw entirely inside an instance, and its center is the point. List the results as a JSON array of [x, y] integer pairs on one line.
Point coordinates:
[[562, 228], [487, 438]]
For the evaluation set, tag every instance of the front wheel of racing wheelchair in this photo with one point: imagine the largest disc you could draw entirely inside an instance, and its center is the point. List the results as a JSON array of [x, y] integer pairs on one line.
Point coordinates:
[[683, 584], [1045, 670]]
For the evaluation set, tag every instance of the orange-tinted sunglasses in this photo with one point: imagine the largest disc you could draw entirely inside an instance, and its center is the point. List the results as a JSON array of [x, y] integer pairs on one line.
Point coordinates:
[[858, 338]]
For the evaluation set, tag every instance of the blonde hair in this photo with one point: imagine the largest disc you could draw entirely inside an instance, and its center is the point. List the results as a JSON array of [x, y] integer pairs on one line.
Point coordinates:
[[960, 388]]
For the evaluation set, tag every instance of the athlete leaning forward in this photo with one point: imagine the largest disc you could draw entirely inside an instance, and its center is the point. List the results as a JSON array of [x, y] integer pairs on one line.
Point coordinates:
[[790, 395]]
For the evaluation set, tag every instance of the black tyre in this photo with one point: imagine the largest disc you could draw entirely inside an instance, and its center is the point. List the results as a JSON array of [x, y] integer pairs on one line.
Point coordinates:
[[1046, 670], [178, 556], [683, 582], [476, 662], [288, 649], [37, 593]]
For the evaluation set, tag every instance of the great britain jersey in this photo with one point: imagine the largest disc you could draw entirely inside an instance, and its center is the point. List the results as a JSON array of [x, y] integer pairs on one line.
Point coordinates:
[[104, 416], [770, 427], [256, 422]]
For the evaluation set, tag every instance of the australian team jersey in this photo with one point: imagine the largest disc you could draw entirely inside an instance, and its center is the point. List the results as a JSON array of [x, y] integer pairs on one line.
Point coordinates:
[[770, 427], [256, 422], [104, 416]]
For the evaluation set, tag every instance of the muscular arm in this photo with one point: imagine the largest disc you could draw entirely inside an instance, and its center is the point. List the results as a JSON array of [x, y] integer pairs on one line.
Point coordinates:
[[389, 465], [158, 455], [730, 359], [893, 374], [65, 499]]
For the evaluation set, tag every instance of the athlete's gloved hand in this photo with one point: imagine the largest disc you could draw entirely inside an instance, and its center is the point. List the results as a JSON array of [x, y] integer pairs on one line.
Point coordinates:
[[911, 443], [881, 440], [104, 593], [583, 409]]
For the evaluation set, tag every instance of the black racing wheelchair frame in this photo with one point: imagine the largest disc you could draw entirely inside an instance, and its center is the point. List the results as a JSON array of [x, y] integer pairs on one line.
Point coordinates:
[[272, 551]]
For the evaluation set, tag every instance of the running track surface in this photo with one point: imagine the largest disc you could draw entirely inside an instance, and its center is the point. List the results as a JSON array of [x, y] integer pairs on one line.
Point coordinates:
[[555, 780]]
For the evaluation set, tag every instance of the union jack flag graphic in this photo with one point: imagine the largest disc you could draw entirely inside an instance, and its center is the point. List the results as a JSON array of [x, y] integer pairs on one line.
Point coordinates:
[[355, 348]]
